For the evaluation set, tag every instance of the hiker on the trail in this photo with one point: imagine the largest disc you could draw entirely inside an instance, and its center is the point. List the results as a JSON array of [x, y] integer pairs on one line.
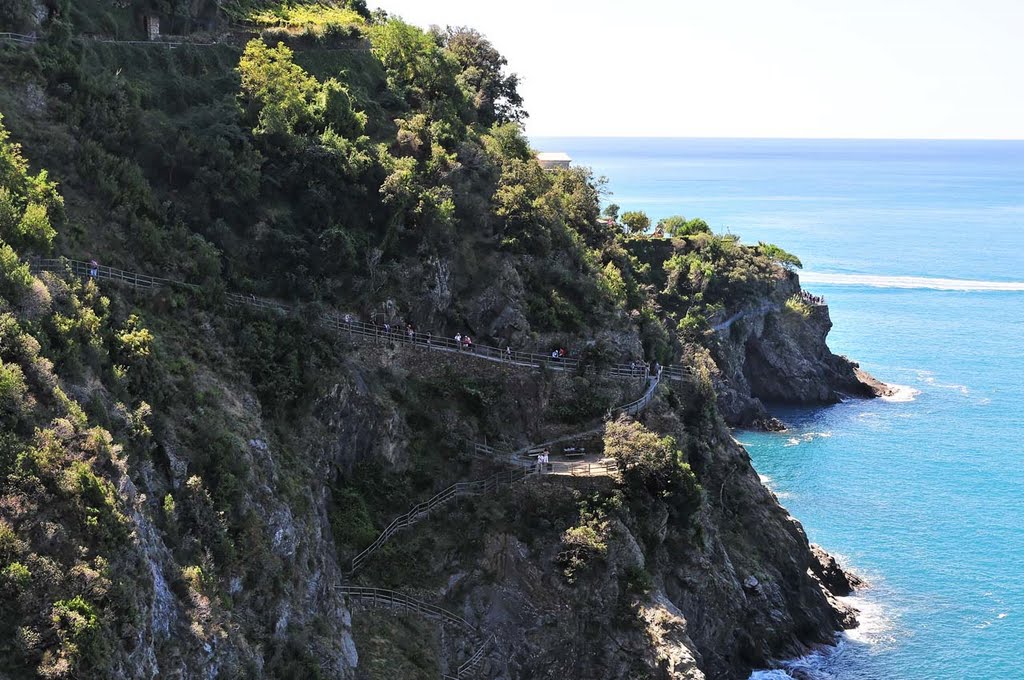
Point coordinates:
[[508, 352], [430, 337], [469, 342], [458, 341], [94, 267], [632, 367], [546, 461], [411, 332], [554, 354], [561, 353]]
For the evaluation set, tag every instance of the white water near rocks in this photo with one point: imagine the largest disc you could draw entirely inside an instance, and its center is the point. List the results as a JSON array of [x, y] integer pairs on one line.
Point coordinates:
[[917, 247]]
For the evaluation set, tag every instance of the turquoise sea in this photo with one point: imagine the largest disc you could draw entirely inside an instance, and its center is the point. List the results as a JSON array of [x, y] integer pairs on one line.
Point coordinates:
[[918, 247]]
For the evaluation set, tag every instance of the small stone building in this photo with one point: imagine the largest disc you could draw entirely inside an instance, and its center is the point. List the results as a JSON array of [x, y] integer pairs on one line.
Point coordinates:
[[152, 26], [552, 160]]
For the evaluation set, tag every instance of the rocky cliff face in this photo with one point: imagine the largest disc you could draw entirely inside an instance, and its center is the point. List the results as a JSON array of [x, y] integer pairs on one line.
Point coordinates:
[[774, 353], [650, 590]]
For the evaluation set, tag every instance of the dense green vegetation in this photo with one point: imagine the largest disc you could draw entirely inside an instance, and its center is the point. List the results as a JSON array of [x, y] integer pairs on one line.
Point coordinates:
[[395, 182]]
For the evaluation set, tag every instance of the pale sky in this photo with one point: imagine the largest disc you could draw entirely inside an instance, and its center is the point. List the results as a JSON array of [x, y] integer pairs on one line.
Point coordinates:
[[755, 68]]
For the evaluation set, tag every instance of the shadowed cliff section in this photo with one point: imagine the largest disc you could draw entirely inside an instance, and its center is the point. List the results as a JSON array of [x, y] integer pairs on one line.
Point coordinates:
[[186, 482], [776, 353]]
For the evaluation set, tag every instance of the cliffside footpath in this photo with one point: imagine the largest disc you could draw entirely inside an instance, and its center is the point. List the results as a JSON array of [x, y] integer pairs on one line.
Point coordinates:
[[185, 481]]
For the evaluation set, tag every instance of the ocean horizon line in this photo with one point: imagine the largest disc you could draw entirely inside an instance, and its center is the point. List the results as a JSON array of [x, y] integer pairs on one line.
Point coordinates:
[[910, 282], [781, 139]]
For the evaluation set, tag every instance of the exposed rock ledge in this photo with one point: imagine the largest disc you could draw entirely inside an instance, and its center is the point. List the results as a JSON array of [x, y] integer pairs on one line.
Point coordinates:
[[835, 582], [770, 354]]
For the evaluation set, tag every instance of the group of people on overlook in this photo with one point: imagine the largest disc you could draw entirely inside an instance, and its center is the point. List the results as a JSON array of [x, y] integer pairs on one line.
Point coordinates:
[[811, 299]]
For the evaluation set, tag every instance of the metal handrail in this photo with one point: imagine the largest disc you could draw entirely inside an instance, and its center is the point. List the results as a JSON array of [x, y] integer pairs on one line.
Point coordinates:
[[19, 38], [346, 325], [394, 598], [607, 466], [423, 509]]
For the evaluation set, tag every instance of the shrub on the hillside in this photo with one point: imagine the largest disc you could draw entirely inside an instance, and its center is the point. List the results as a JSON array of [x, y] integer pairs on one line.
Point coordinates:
[[16, 576], [15, 279], [797, 306], [582, 546], [651, 465], [76, 624], [13, 392], [692, 326]]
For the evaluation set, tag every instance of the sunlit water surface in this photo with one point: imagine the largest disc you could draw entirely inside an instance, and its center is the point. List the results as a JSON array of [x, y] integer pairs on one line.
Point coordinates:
[[917, 247]]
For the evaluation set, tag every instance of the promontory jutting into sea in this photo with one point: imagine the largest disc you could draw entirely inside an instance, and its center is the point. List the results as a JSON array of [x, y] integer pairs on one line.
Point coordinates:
[[320, 357]]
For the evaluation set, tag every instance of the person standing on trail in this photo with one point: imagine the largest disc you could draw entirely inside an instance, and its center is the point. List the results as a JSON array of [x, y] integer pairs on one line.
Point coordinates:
[[94, 268], [430, 337], [411, 333], [508, 353], [469, 342], [458, 341]]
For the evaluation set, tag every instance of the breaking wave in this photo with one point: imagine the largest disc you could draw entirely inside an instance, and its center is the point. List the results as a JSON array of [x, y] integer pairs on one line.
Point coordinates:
[[806, 437], [919, 282], [902, 393], [876, 629]]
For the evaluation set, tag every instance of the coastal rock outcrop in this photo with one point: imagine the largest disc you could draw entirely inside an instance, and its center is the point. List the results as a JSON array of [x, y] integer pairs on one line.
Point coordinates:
[[839, 581], [776, 352]]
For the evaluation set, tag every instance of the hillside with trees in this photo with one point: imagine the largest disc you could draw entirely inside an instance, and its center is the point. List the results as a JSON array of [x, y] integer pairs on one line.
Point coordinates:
[[183, 481]]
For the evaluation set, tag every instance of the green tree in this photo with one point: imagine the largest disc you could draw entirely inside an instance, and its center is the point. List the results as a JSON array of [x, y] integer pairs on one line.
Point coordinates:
[[276, 92], [636, 221], [677, 225], [494, 94], [27, 201], [777, 254], [418, 69], [651, 464], [612, 211]]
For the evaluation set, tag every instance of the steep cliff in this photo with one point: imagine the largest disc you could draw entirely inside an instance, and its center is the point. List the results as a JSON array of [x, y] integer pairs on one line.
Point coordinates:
[[774, 350], [630, 575], [188, 469]]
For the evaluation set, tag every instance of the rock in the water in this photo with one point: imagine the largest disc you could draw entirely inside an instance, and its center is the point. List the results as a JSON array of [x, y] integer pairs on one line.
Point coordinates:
[[831, 575]]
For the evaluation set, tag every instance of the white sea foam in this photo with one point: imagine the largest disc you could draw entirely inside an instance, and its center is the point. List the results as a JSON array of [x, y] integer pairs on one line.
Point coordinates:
[[927, 377], [902, 393], [806, 437], [876, 628], [769, 484], [919, 282]]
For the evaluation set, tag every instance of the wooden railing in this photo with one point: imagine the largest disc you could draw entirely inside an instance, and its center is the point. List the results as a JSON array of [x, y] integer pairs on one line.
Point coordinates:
[[423, 509], [586, 468], [19, 38], [382, 597], [98, 271], [346, 324]]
